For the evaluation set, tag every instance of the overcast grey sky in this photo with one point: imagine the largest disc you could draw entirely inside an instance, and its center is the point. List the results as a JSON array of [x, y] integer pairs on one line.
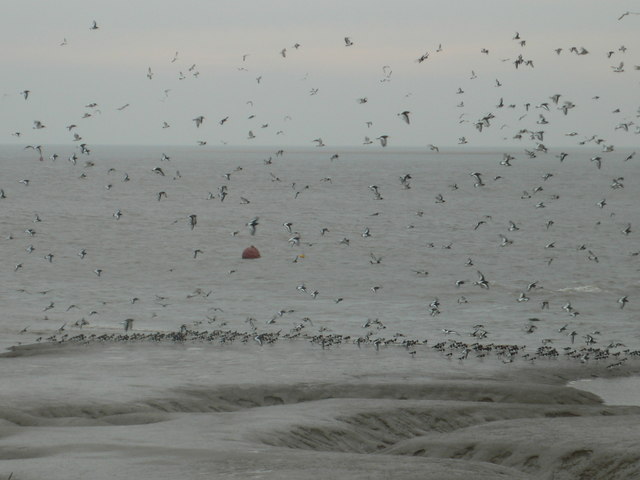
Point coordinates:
[[49, 49]]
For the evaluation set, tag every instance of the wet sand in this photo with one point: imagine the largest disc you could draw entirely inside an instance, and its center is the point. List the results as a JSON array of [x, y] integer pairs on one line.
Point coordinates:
[[291, 409]]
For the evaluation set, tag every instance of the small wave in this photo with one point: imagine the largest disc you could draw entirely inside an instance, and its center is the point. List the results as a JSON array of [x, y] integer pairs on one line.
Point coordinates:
[[582, 288]]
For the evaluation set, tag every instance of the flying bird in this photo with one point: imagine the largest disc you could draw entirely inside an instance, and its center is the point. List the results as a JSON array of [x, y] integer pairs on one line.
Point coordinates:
[[383, 140], [253, 224], [627, 13], [405, 116]]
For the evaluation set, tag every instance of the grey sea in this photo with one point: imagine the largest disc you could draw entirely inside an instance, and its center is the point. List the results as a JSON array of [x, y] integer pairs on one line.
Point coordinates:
[[413, 314]]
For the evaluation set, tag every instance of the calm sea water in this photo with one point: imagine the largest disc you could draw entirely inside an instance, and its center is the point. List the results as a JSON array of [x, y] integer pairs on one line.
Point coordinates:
[[575, 251]]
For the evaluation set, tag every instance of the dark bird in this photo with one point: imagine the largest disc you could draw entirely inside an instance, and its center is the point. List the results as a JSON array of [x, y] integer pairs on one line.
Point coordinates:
[[405, 116]]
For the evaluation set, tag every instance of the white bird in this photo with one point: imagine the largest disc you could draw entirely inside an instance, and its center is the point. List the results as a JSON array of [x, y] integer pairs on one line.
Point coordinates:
[[253, 224]]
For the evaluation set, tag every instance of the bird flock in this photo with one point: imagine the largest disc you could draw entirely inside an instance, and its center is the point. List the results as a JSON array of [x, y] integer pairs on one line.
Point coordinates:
[[302, 220]]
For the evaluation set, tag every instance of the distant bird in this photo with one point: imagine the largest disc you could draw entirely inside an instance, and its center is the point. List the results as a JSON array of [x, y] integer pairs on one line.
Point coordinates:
[[478, 177], [253, 224], [405, 116], [94, 26], [422, 57], [347, 42], [383, 140], [193, 220], [627, 13], [198, 121], [623, 301], [128, 324], [481, 282], [505, 241]]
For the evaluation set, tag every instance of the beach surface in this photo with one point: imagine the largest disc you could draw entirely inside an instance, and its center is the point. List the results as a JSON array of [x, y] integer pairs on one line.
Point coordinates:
[[291, 409]]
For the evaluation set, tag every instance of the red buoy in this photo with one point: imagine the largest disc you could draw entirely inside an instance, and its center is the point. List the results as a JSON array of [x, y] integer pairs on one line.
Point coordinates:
[[250, 252]]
